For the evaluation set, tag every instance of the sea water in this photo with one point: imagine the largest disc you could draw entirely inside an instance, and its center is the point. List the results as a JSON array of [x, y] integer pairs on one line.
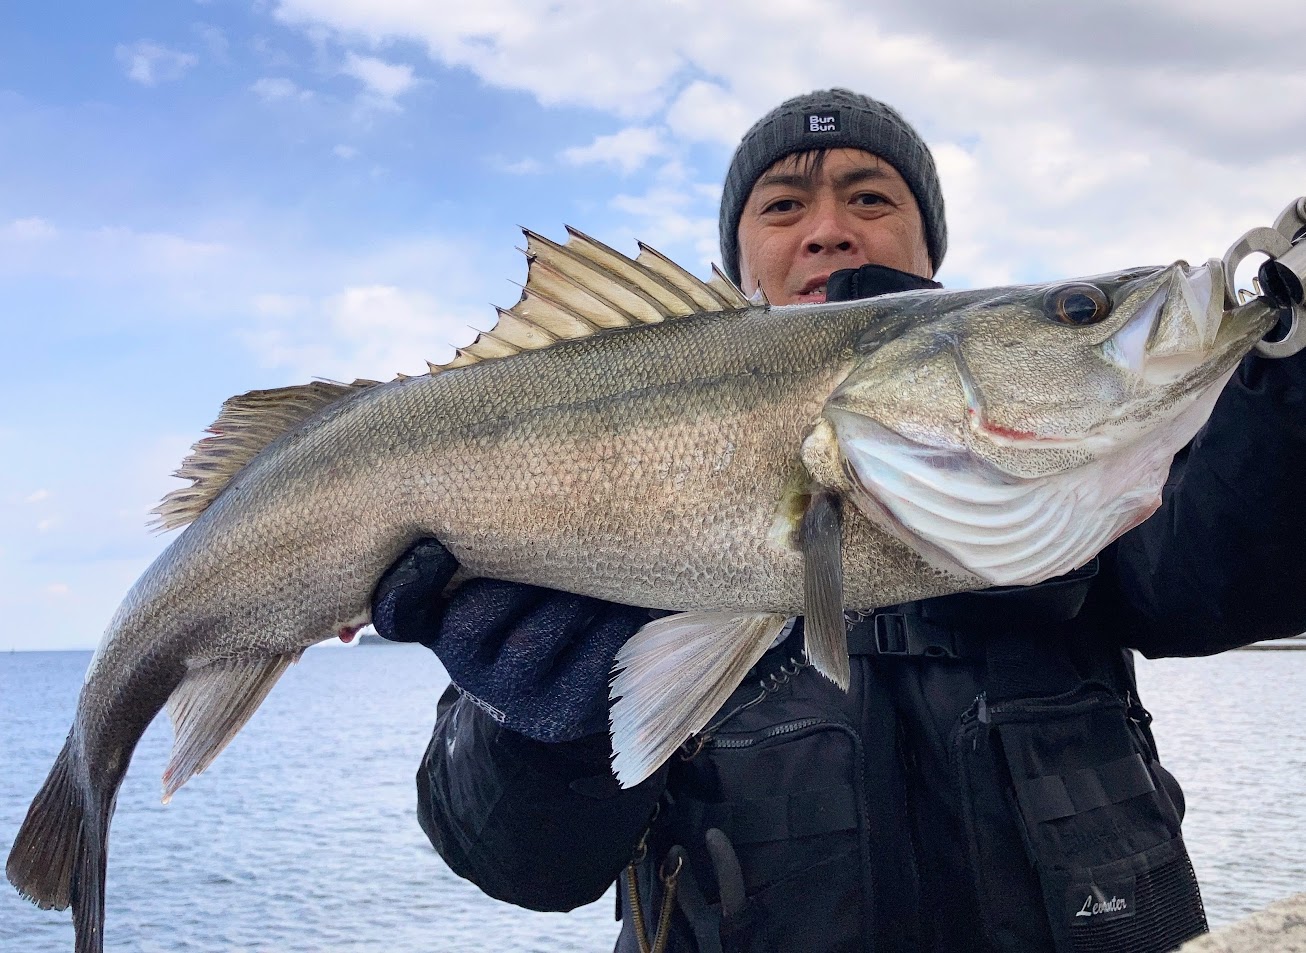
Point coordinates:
[[302, 836]]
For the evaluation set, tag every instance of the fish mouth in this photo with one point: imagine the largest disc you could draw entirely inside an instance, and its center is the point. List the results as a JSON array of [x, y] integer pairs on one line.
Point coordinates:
[[1182, 337], [1177, 328]]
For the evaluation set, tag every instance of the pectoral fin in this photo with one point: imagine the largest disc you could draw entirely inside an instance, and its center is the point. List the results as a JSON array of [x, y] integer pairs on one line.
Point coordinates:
[[210, 706], [673, 675], [820, 536]]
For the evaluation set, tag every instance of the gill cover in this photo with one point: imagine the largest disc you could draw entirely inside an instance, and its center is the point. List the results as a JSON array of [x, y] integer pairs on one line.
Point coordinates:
[[964, 515]]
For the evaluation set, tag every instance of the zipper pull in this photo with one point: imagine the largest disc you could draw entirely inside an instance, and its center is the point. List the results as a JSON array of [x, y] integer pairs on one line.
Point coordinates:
[[693, 745], [1135, 710], [981, 709]]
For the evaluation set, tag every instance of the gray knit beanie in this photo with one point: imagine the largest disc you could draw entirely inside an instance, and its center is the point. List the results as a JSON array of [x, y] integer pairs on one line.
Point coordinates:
[[832, 119]]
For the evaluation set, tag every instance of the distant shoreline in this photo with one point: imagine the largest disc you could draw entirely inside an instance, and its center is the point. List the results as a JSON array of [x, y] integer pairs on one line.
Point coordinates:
[[1292, 643]]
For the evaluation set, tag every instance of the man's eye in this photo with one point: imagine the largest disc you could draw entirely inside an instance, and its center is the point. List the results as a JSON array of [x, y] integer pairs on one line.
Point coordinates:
[[782, 206], [869, 198]]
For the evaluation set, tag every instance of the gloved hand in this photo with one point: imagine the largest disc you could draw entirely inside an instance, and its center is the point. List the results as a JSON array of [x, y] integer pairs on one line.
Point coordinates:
[[537, 660], [868, 281]]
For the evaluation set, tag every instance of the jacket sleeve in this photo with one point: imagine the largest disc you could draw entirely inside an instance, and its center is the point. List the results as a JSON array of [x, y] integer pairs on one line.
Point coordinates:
[[1223, 562], [542, 826]]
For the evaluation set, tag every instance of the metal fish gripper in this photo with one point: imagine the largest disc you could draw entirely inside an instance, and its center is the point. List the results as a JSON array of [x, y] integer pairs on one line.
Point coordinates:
[[1281, 280]]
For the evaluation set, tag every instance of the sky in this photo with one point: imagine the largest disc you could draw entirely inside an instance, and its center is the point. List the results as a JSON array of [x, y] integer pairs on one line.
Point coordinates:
[[202, 198]]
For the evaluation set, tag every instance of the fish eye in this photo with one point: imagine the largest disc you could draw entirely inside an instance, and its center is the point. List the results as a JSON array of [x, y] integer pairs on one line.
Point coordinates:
[[1077, 305]]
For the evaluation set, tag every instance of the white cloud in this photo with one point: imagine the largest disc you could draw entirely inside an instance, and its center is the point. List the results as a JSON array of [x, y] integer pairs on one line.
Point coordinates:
[[665, 218], [627, 150], [523, 166], [619, 62], [272, 88], [674, 215], [114, 254], [188, 302], [99, 543], [28, 230], [366, 313], [270, 56], [149, 63], [344, 152], [159, 251], [373, 331], [214, 40], [705, 112], [37, 497], [1161, 131], [383, 81], [280, 305]]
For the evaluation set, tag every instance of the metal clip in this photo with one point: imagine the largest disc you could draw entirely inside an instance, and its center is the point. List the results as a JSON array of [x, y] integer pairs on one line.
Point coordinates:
[[1281, 281]]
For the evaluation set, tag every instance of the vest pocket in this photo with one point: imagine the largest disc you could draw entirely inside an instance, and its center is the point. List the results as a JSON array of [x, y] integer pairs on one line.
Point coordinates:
[[788, 798], [1062, 801]]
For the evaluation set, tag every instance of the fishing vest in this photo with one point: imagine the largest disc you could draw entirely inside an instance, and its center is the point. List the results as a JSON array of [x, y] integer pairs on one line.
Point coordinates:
[[786, 824]]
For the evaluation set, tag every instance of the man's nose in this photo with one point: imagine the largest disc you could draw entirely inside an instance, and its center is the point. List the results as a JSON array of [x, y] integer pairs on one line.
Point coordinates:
[[829, 230]]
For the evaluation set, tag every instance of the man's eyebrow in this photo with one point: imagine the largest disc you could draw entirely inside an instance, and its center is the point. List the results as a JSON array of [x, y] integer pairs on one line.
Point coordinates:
[[793, 180], [799, 180], [865, 173]]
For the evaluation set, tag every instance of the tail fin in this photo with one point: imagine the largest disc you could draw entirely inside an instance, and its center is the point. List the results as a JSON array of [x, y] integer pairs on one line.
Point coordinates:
[[41, 862], [89, 876], [60, 853]]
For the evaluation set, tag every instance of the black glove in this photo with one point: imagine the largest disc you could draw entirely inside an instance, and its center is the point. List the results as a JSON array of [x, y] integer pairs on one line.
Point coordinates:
[[850, 284], [537, 660]]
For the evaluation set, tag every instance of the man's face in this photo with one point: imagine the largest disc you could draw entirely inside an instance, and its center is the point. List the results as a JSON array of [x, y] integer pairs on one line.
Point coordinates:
[[799, 225]]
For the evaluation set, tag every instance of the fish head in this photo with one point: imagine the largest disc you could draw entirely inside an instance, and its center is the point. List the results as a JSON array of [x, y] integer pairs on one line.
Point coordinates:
[[1013, 433]]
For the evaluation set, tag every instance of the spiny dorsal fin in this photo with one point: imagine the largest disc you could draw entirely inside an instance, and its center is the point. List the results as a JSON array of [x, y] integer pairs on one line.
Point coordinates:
[[245, 426], [583, 287], [728, 291]]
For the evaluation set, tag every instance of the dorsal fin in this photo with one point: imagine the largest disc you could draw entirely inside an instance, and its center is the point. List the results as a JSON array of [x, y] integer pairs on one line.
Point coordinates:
[[706, 297], [245, 426], [583, 287], [729, 292]]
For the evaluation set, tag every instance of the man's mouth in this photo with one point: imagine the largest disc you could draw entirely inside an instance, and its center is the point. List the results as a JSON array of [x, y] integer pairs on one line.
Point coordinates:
[[813, 292]]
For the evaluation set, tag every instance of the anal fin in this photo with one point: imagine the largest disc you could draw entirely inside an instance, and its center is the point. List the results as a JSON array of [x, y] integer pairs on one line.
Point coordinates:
[[212, 703], [674, 674], [820, 537]]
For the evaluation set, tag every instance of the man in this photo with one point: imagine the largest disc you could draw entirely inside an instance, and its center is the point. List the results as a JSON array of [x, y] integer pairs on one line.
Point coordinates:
[[989, 782]]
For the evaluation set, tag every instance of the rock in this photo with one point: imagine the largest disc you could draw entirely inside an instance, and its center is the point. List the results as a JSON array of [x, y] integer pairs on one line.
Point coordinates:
[[1279, 928]]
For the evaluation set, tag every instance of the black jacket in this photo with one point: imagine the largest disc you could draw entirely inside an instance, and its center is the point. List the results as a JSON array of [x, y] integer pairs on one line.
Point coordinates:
[[1009, 799]]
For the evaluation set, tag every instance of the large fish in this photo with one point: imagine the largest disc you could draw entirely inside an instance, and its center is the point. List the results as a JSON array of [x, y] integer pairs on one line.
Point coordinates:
[[629, 432]]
